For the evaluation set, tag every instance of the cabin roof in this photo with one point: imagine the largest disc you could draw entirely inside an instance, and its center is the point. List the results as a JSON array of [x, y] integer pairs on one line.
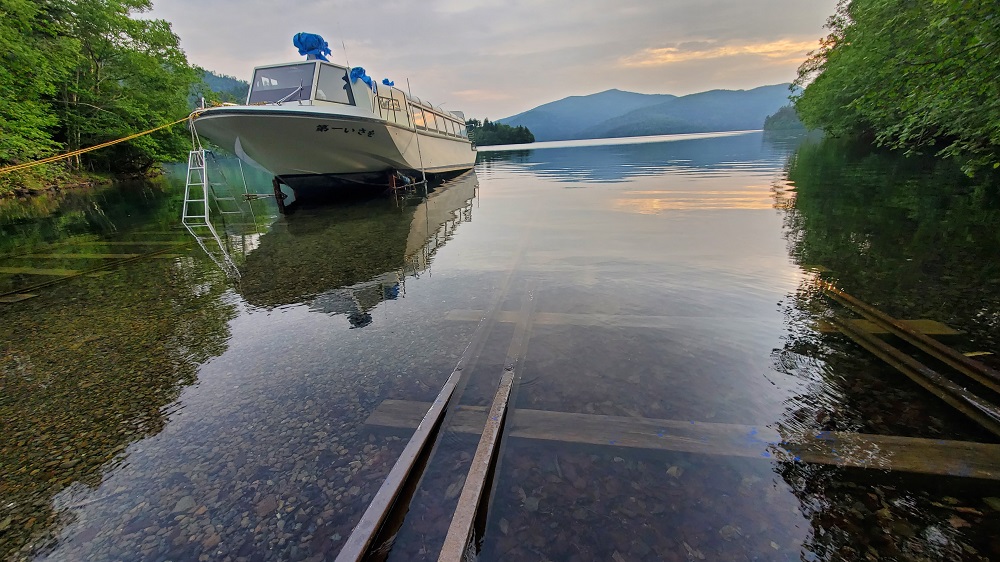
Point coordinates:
[[413, 99]]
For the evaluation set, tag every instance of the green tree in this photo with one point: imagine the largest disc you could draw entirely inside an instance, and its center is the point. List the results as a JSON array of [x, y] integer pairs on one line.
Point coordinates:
[[785, 119], [487, 133], [34, 64], [76, 73], [129, 75], [220, 88], [918, 75]]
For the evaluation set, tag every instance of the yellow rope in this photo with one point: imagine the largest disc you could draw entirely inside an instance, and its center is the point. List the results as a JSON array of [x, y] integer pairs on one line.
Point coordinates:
[[58, 157]]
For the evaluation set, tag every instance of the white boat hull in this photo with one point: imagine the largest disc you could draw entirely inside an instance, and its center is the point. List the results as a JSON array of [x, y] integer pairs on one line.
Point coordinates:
[[303, 144]]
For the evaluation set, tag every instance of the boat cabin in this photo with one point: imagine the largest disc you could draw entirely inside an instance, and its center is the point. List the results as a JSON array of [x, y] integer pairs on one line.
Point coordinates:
[[320, 83]]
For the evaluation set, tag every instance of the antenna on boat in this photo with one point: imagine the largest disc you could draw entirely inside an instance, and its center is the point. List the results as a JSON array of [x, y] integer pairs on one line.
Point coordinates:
[[344, 45]]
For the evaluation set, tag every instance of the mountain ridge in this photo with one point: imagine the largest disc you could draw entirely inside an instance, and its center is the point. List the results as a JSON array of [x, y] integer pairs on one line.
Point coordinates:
[[617, 113]]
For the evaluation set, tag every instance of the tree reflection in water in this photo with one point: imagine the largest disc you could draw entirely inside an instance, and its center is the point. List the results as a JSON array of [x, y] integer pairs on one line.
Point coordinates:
[[89, 366], [917, 239]]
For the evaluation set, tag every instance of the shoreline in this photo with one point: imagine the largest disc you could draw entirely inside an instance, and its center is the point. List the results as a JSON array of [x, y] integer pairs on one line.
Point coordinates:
[[23, 193], [70, 181]]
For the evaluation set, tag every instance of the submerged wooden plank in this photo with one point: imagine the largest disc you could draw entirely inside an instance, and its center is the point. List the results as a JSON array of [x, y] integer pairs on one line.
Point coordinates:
[[38, 271], [401, 413], [930, 327], [82, 256], [882, 452], [905, 454], [126, 243], [631, 320], [17, 297], [598, 320], [66, 274], [922, 325], [477, 315]]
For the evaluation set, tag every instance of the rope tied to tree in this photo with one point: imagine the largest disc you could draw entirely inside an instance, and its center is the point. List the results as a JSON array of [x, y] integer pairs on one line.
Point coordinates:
[[58, 157]]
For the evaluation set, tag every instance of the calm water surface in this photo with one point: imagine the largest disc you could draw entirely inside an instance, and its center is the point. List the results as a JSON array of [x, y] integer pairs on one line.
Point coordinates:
[[155, 408]]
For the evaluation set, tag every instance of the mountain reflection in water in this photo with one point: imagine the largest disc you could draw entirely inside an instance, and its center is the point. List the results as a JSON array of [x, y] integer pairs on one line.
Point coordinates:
[[580, 165]]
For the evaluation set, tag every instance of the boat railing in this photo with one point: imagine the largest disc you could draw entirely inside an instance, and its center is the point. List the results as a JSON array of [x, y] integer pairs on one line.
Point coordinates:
[[391, 107], [436, 120]]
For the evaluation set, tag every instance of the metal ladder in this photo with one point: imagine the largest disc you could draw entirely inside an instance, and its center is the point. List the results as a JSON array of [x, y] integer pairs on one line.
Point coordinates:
[[195, 215]]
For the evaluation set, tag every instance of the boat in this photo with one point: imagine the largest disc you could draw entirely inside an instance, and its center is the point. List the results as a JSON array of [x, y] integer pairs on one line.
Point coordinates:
[[315, 124]]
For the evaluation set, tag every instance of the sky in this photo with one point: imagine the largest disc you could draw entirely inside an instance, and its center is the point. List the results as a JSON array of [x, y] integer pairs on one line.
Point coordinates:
[[493, 59]]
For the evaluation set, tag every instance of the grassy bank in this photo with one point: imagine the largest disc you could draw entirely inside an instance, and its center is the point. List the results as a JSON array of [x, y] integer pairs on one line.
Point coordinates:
[[47, 178]]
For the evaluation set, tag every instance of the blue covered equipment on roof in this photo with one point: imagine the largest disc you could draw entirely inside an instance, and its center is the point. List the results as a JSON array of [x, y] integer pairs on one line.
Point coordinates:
[[311, 45], [358, 73]]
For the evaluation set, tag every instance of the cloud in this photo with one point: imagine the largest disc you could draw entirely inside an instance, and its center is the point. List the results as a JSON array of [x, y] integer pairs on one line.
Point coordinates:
[[782, 51], [482, 95], [501, 57]]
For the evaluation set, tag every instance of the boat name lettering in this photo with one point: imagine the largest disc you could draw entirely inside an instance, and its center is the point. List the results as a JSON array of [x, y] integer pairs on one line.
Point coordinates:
[[388, 103], [363, 132]]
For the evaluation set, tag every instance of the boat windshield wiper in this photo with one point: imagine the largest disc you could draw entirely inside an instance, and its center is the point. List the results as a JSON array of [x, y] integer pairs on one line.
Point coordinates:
[[293, 92]]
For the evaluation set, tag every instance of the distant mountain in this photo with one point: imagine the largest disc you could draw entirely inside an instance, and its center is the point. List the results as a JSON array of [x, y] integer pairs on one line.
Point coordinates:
[[566, 118], [622, 114]]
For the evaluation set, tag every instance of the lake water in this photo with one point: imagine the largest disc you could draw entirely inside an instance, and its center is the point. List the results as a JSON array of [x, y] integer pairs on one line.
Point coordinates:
[[156, 405]]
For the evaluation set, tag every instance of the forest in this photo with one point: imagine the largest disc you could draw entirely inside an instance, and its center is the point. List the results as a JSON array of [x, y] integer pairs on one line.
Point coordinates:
[[77, 73], [785, 119], [488, 133], [920, 76]]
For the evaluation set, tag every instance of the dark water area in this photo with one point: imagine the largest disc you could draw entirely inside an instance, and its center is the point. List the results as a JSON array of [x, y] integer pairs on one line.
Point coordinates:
[[165, 397]]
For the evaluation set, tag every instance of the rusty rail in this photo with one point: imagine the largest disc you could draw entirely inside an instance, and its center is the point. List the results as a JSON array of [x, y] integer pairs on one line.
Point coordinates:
[[971, 368], [972, 406]]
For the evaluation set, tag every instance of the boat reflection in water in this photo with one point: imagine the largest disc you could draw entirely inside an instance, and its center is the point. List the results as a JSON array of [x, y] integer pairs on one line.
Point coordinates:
[[348, 257]]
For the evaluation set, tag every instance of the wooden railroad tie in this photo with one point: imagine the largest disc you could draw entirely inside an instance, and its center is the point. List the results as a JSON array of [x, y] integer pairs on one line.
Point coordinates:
[[61, 275], [867, 451], [92, 256], [16, 297]]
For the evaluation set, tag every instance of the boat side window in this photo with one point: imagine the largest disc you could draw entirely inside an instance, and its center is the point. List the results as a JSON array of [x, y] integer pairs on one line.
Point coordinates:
[[280, 82], [451, 127], [333, 85], [462, 132], [431, 121], [418, 117]]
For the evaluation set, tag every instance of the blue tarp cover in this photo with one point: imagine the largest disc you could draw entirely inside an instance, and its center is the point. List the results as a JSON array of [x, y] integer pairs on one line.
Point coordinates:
[[311, 44], [388, 82], [358, 73]]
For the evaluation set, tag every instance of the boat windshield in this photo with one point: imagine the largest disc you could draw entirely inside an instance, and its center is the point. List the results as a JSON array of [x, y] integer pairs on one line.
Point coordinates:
[[289, 83], [333, 85]]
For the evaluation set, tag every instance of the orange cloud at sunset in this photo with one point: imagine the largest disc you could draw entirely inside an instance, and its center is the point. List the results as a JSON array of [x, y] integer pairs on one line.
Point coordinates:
[[779, 52]]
